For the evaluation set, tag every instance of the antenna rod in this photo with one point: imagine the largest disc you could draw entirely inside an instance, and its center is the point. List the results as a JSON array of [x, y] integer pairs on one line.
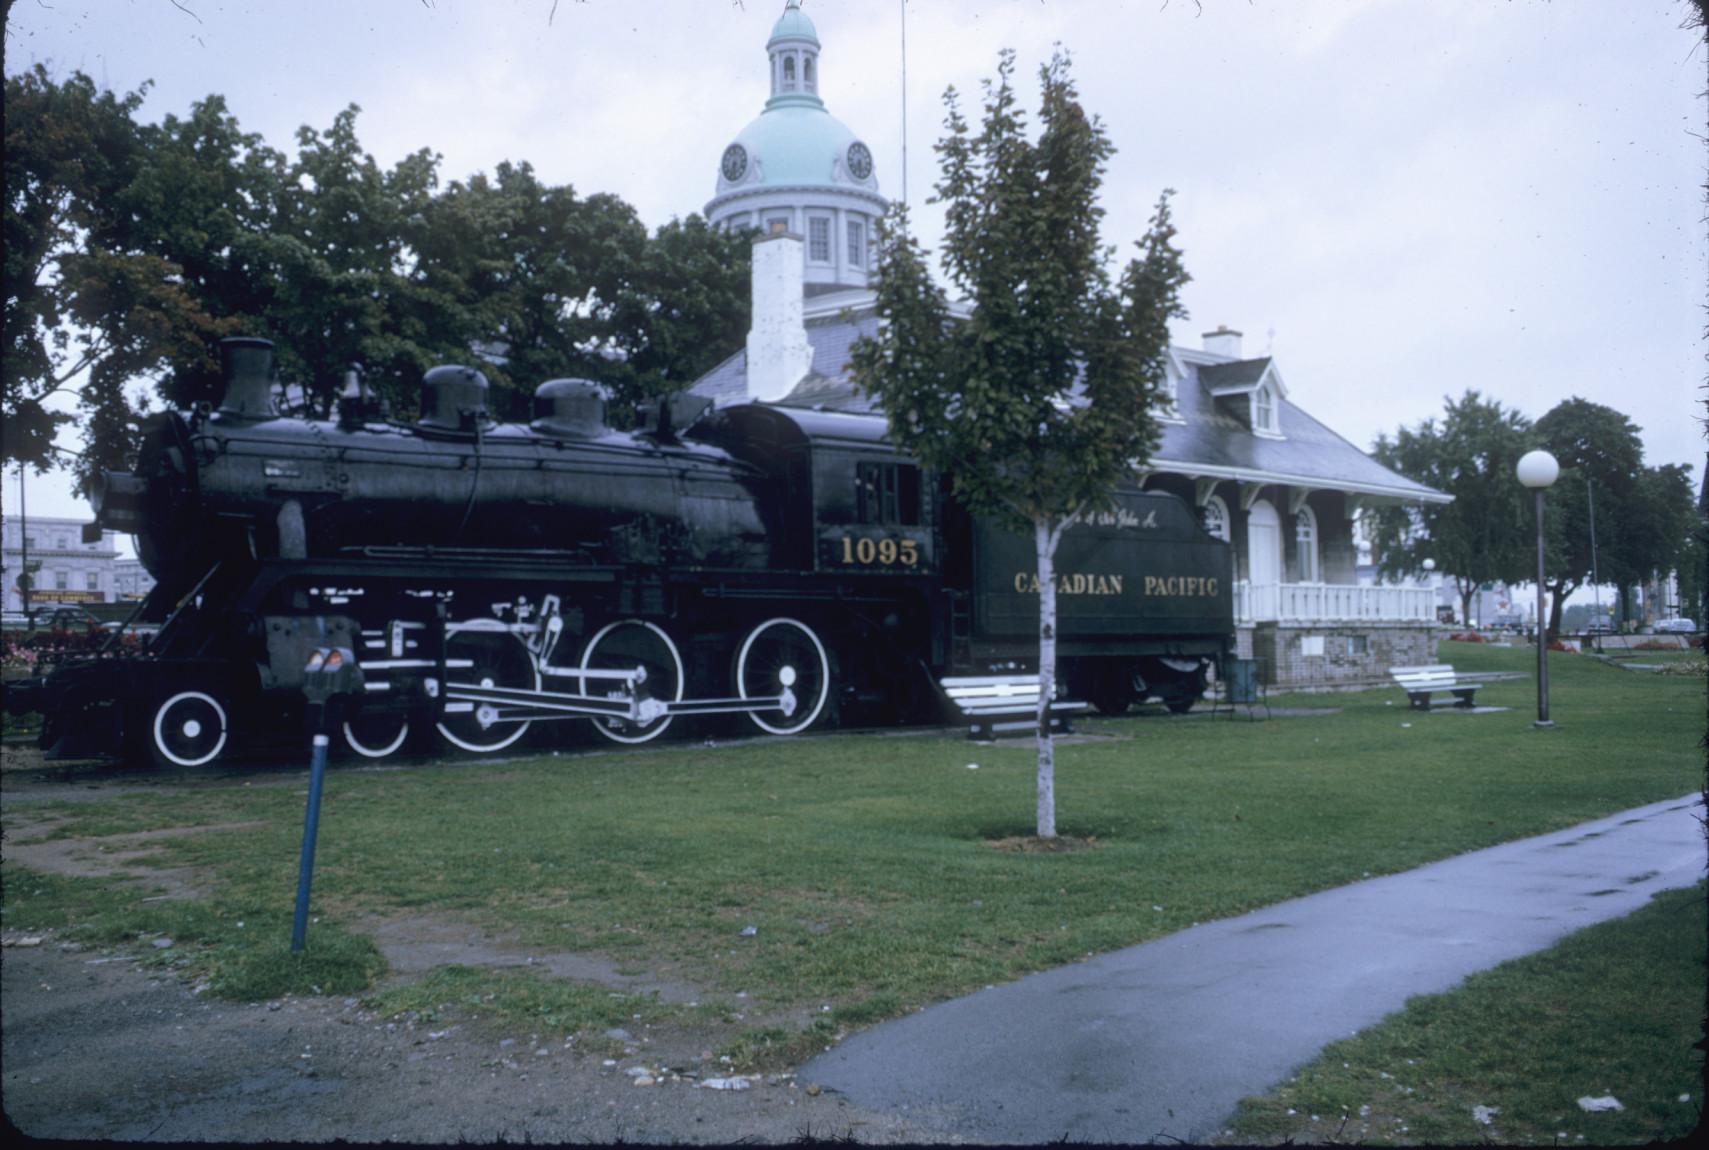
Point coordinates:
[[904, 103]]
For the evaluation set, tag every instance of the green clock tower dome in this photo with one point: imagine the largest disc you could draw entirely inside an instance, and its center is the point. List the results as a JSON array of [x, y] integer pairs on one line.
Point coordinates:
[[799, 168]]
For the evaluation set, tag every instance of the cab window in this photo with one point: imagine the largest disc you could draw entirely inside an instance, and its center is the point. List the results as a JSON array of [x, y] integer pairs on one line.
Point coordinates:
[[887, 493]]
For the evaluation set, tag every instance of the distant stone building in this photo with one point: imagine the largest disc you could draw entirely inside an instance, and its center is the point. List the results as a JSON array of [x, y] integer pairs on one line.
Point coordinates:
[[65, 571], [131, 581]]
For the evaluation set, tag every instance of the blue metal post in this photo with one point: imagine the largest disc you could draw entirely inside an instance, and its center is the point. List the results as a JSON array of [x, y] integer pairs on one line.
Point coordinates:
[[311, 824]]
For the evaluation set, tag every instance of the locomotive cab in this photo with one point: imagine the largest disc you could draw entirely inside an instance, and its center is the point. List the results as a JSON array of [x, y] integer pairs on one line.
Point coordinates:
[[843, 497]]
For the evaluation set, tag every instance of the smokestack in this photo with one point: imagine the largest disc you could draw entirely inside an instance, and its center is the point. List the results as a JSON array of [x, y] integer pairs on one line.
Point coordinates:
[[1223, 341], [779, 355], [247, 365]]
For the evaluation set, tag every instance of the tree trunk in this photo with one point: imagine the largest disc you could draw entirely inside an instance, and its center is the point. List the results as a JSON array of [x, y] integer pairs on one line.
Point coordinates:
[[1559, 592], [1465, 589], [1046, 539]]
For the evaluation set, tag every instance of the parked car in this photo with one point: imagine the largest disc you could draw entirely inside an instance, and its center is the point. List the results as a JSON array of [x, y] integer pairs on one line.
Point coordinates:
[[1674, 626], [67, 619]]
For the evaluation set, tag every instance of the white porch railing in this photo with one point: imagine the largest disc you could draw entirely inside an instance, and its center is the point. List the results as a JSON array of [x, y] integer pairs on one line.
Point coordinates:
[[1332, 603]]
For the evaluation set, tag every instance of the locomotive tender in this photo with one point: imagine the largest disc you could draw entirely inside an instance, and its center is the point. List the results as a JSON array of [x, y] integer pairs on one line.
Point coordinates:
[[783, 563]]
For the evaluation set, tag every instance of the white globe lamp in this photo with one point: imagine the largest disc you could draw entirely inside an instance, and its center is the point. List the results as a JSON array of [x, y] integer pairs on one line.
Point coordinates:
[[1538, 470]]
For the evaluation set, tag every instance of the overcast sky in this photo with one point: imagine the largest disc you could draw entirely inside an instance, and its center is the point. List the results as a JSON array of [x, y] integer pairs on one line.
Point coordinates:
[[1400, 199]]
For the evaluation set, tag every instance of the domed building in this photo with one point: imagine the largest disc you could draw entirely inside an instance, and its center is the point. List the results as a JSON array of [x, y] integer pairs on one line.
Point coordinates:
[[798, 169]]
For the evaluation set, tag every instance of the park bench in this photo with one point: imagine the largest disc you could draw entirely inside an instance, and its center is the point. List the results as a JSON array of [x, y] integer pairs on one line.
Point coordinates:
[[1421, 684], [992, 704]]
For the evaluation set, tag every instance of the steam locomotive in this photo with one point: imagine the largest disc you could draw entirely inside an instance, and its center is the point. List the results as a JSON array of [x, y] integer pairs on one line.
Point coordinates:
[[783, 564]]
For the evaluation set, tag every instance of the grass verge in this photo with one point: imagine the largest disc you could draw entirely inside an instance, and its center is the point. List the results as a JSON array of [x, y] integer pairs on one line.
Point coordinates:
[[1613, 1011], [864, 864]]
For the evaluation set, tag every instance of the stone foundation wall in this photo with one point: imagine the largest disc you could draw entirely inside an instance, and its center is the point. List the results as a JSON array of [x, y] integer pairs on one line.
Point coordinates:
[[1327, 657]]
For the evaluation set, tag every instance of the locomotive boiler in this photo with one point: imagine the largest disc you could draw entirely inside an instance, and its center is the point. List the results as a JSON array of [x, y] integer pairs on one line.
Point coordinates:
[[783, 564]]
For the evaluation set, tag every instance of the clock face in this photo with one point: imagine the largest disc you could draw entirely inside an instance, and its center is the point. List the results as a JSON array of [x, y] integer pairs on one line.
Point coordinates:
[[860, 161], [735, 162]]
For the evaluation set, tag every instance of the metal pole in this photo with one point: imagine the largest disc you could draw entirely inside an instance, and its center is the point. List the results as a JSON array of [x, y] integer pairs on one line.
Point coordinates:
[[1595, 577], [1542, 627], [311, 824], [26, 582], [904, 103]]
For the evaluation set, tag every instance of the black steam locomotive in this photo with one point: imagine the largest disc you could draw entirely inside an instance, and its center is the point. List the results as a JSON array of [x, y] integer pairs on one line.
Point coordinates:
[[785, 564]]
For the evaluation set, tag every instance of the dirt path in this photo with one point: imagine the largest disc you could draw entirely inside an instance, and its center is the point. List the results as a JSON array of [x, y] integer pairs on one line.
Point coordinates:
[[96, 1047]]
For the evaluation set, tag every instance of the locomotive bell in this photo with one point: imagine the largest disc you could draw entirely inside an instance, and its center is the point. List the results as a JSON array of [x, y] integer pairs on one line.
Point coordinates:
[[453, 398], [246, 363], [571, 408]]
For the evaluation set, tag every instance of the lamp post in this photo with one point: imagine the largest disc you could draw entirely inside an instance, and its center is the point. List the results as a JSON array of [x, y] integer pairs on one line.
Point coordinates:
[[1537, 470]]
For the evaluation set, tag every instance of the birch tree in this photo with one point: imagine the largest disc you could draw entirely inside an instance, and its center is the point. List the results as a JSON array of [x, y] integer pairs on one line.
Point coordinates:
[[1039, 401]]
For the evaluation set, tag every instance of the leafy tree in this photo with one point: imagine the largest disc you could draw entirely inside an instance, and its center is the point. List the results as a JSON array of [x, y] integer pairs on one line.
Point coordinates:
[[132, 248], [330, 263], [1041, 399], [687, 308], [1652, 535], [68, 149], [1483, 534], [1601, 455]]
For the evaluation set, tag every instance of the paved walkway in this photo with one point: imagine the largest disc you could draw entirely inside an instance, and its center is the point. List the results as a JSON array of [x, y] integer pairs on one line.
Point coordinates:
[[1160, 1041]]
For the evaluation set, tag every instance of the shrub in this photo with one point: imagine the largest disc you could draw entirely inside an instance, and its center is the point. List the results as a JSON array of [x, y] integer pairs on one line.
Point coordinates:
[[1466, 637]]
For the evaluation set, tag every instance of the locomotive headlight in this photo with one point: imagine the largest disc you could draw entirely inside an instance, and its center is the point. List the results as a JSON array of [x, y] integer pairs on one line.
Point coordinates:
[[117, 500]]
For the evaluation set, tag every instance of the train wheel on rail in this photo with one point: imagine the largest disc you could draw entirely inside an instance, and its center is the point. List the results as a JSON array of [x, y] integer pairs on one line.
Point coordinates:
[[189, 728], [784, 655], [499, 659], [1110, 689], [376, 734], [625, 646]]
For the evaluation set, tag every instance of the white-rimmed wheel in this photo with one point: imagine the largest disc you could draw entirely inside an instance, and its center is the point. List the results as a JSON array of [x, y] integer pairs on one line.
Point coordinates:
[[188, 729], [783, 658], [628, 645], [498, 659], [376, 734]]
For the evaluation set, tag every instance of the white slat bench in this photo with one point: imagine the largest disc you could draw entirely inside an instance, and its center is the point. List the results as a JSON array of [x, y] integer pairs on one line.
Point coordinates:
[[1423, 683], [992, 704]]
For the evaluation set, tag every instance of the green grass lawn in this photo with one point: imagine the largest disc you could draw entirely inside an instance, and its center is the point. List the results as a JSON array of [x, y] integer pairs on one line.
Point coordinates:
[[1613, 1011], [864, 862]]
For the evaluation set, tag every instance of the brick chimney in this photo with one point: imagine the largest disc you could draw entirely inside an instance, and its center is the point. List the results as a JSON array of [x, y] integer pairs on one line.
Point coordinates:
[[779, 355], [1223, 341]]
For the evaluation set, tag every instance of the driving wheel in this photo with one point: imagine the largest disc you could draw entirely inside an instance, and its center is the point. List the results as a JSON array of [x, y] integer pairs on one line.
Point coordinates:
[[783, 658]]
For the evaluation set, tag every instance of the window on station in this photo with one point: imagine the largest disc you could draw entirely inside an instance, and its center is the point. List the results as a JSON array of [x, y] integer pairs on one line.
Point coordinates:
[[1216, 519], [819, 239], [807, 80], [1305, 540], [789, 73], [92, 581], [887, 493], [857, 243]]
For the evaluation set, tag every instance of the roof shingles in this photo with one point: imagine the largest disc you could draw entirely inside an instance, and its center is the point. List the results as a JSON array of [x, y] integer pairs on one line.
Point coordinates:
[[1207, 440]]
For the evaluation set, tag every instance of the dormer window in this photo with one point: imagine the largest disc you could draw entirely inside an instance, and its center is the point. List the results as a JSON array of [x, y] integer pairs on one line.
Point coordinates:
[[1166, 400], [1264, 409], [1248, 390]]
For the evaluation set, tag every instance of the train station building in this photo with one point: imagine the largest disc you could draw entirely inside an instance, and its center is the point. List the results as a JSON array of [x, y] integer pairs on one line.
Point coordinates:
[[1261, 472]]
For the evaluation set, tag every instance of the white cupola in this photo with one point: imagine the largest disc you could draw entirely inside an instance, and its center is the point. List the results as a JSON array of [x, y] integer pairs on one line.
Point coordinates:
[[799, 168]]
